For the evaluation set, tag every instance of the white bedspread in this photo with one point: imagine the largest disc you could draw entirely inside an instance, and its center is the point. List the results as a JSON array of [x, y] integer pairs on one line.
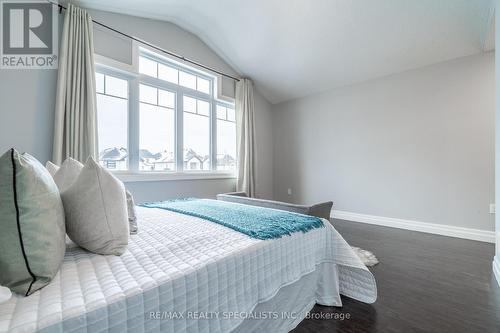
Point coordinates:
[[179, 265]]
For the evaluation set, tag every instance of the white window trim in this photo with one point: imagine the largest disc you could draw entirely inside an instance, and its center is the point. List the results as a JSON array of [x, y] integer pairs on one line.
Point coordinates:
[[132, 177], [130, 72]]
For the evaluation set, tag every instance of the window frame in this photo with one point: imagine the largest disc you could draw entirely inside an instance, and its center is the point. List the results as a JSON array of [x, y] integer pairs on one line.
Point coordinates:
[[131, 74], [120, 75], [135, 168], [226, 119]]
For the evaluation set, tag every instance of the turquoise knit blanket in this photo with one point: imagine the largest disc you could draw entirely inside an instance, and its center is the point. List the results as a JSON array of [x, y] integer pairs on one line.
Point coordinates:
[[256, 222]]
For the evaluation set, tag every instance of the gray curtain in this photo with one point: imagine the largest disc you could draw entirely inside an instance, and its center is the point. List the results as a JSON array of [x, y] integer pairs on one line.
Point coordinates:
[[245, 128], [75, 128]]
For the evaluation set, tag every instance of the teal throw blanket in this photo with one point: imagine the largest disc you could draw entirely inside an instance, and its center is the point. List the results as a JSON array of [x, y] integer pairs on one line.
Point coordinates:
[[256, 222]]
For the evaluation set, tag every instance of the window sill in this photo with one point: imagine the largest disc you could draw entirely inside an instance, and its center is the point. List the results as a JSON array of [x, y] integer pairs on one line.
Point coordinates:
[[132, 177]]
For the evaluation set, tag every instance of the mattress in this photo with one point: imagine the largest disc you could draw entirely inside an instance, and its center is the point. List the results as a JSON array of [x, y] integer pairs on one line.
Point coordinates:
[[184, 274]]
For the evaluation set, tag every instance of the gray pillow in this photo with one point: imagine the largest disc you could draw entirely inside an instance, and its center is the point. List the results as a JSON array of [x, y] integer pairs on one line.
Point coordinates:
[[32, 236], [96, 211]]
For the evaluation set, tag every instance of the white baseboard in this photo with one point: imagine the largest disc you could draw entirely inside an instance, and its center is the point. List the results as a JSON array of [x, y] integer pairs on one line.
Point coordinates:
[[432, 228], [496, 268]]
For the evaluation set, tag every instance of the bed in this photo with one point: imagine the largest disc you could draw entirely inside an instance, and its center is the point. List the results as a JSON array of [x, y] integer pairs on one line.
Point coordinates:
[[184, 274]]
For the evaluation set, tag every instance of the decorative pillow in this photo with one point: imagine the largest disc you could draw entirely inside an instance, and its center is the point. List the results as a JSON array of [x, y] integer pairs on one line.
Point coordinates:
[[51, 168], [70, 172], [132, 214], [67, 174], [5, 294], [96, 211], [32, 236]]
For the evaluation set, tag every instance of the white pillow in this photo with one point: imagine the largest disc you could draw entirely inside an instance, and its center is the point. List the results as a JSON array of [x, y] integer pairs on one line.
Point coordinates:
[[5, 294], [51, 168], [132, 214], [96, 211], [66, 175]]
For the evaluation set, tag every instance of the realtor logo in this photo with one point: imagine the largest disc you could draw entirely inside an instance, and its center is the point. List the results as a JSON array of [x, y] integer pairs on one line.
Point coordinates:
[[29, 35]]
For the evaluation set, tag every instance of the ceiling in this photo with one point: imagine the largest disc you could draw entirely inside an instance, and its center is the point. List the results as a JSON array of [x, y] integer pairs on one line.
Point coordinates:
[[295, 48]]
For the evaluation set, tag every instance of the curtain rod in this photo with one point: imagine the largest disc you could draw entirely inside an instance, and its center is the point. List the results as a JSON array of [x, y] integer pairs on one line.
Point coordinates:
[[61, 7]]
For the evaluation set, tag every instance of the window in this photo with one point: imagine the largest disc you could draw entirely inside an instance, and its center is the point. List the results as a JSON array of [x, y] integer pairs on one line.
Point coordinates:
[[112, 121], [196, 134], [226, 138], [168, 73], [157, 129], [177, 123]]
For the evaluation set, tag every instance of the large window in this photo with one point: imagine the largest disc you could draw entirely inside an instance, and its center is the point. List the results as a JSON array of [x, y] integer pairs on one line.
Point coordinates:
[[163, 118], [112, 121]]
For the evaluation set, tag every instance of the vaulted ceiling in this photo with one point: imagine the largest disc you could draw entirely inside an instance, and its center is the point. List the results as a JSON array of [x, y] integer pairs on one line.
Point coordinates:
[[292, 48]]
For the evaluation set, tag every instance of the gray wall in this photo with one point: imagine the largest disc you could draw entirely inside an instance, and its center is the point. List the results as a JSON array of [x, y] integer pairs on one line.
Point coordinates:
[[27, 100], [264, 146], [157, 191], [418, 145], [28, 97]]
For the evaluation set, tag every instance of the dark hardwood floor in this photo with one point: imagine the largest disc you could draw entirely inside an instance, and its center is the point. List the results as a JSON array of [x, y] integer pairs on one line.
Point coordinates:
[[426, 283]]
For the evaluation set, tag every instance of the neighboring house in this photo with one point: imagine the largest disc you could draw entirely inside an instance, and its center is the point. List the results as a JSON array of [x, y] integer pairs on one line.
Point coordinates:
[[145, 154], [226, 162], [117, 159], [193, 161], [164, 161], [114, 158]]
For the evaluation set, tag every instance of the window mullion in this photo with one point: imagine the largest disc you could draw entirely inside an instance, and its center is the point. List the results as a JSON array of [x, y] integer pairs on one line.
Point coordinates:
[[213, 135], [179, 131], [134, 125]]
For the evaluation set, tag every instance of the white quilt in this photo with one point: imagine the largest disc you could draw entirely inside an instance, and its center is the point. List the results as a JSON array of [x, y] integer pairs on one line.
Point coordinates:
[[179, 265]]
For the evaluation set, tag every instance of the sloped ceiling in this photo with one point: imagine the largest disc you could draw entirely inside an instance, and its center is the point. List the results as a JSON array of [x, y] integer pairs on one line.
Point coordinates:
[[292, 48]]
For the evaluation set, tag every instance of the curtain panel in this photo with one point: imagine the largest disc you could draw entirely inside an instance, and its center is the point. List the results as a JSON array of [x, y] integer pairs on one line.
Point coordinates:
[[245, 129], [75, 128]]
